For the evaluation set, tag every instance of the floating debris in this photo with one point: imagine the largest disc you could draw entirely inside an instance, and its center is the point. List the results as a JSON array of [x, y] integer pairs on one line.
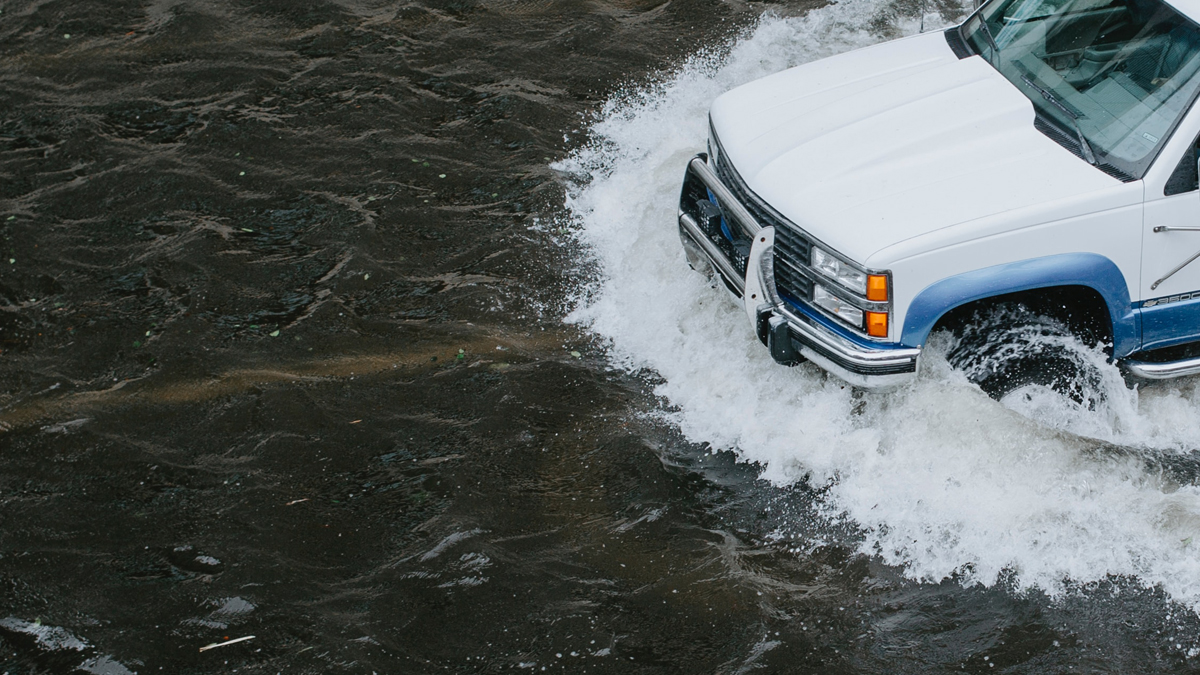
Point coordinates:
[[296, 501], [274, 333], [223, 644]]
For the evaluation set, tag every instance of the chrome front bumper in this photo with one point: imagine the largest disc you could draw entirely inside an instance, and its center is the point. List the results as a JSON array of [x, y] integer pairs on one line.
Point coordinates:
[[790, 333]]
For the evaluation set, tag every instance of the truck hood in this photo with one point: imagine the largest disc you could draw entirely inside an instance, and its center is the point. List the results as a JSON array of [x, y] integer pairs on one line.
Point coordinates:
[[883, 145]]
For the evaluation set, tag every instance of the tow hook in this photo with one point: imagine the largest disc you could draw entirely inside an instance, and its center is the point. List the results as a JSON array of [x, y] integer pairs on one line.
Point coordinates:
[[773, 331]]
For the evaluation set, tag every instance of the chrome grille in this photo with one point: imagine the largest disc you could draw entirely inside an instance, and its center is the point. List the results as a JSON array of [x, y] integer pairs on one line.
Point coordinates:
[[791, 247], [789, 280]]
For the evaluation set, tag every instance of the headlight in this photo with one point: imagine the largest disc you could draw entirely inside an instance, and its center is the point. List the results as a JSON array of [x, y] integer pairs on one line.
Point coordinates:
[[839, 271], [836, 306]]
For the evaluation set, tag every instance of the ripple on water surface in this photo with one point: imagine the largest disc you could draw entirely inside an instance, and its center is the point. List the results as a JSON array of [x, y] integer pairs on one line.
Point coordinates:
[[941, 480]]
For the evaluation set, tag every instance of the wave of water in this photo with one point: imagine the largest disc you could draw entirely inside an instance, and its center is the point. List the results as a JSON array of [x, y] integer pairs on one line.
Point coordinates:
[[942, 479]]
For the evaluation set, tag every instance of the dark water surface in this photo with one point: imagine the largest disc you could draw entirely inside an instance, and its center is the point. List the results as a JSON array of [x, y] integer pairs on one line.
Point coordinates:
[[282, 355]]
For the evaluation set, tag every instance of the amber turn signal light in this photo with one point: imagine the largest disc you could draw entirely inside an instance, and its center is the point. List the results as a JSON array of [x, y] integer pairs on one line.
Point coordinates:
[[877, 324], [877, 290]]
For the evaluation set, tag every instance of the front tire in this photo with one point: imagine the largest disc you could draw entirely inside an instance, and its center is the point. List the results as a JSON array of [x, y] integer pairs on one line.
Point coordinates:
[[1009, 347]]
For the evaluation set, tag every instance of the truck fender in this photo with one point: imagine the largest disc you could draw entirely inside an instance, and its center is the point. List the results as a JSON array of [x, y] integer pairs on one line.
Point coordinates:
[[1067, 269]]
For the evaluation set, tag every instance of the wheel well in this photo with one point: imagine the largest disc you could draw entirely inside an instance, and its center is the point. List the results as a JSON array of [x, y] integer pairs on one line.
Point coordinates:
[[1081, 308]]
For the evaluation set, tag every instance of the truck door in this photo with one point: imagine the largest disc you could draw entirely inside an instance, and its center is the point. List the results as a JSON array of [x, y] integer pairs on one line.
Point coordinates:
[[1170, 282]]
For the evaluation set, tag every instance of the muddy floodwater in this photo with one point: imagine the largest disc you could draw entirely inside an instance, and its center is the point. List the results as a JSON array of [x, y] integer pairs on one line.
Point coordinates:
[[354, 336]]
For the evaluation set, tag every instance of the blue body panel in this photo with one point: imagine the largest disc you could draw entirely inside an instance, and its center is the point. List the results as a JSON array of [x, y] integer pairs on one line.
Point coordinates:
[[1166, 325], [1068, 269]]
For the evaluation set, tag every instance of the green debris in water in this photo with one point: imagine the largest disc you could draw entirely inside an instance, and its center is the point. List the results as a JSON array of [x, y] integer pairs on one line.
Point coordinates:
[[1187, 541], [136, 344], [12, 261], [243, 173], [254, 326], [441, 175], [12, 217], [275, 333], [577, 355], [246, 229], [66, 36], [424, 163], [461, 355], [495, 194]]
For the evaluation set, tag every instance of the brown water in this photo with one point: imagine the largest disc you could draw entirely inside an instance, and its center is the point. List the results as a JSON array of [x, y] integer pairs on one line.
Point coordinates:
[[282, 355]]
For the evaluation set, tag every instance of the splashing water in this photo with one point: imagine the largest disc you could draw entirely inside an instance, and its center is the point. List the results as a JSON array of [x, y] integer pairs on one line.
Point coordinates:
[[942, 479]]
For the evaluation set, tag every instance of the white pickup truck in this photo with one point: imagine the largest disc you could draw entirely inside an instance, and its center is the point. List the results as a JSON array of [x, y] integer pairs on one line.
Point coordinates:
[[1042, 154]]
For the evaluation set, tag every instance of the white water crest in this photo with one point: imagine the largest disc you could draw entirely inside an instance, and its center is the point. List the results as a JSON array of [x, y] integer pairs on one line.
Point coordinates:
[[943, 479]]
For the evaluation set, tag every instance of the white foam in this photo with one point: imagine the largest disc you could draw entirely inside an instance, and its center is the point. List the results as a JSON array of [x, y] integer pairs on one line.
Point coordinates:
[[942, 478]]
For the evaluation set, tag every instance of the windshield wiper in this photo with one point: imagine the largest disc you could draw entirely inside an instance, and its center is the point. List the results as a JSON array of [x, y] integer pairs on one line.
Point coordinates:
[[1072, 115], [987, 33]]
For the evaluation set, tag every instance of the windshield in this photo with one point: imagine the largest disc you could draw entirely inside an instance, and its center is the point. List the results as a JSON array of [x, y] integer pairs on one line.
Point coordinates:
[[1113, 77]]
